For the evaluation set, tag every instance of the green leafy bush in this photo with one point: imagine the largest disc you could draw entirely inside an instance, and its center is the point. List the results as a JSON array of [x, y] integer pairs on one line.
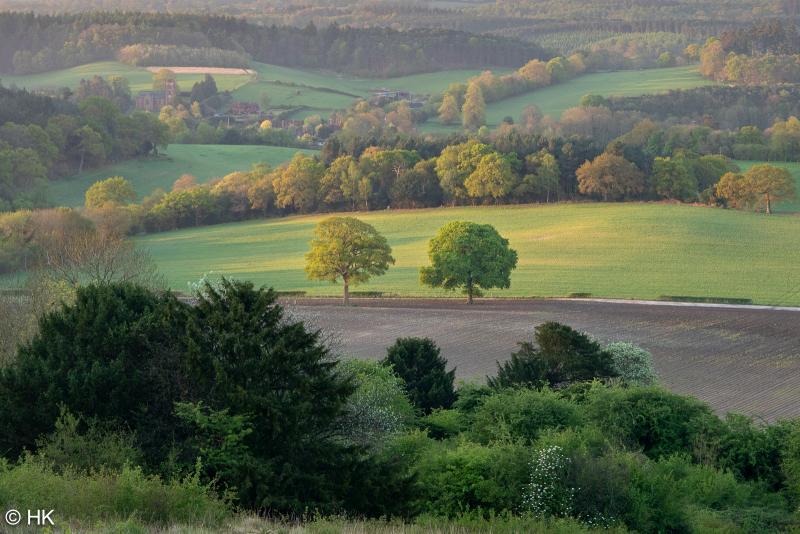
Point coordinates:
[[632, 364], [455, 479], [652, 419], [522, 414], [378, 407]]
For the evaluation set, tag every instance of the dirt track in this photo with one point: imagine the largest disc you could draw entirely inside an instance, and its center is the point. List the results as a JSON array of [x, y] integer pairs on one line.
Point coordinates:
[[746, 361]]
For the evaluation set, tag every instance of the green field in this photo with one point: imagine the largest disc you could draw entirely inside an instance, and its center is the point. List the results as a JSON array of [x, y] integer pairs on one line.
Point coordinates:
[[792, 167], [140, 79], [608, 250], [203, 161], [554, 100], [323, 92]]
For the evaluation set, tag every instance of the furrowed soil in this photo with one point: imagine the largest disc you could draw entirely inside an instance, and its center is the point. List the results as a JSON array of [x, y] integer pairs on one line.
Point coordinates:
[[737, 360]]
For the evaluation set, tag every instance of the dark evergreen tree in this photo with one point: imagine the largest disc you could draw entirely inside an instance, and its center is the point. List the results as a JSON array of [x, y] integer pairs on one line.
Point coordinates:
[[561, 356], [419, 363]]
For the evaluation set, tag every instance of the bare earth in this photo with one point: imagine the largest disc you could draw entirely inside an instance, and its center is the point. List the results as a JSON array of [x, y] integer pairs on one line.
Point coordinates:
[[737, 360], [205, 70]]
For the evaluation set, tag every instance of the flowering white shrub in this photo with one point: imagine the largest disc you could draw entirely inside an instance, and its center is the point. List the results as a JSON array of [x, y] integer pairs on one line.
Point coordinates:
[[633, 364], [547, 493]]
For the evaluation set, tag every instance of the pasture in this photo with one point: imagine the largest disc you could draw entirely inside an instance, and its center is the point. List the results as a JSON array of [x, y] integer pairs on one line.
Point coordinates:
[[139, 77], [323, 92], [629, 251], [745, 361], [146, 174], [554, 100], [792, 167]]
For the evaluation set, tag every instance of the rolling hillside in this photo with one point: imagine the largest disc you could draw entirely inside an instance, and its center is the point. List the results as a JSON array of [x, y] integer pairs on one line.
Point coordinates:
[[631, 250], [554, 100]]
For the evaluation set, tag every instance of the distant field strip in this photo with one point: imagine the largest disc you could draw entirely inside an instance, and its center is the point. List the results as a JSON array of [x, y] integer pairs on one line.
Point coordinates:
[[631, 251], [205, 70], [146, 174]]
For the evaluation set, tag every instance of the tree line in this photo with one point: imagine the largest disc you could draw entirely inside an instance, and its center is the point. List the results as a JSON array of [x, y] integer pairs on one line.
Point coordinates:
[[37, 43]]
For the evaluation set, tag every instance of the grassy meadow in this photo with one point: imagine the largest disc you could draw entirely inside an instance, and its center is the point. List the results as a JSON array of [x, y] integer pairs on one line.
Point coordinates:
[[792, 167], [554, 100], [146, 174], [140, 78], [632, 250]]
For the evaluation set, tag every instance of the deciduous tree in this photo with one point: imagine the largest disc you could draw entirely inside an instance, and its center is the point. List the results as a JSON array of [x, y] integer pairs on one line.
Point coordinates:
[[348, 249], [469, 256]]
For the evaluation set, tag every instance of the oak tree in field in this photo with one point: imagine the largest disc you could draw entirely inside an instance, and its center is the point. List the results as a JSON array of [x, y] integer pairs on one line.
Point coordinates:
[[348, 249], [474, 110], [469, 256], [611, 177]]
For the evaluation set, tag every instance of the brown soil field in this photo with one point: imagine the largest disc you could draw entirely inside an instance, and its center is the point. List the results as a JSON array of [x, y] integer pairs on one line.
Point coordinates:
[[205, 70], [737, 360]]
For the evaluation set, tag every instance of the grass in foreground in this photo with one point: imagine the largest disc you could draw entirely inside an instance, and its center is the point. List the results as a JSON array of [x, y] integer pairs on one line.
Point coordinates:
[[554, 100], [631, 250], [146, 174]]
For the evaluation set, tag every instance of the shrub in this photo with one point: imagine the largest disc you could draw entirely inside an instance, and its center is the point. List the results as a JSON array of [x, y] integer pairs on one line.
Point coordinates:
[[379, 406], [442, 424], [471, 477], [658, 422], [632, 364], [561, 356], [91, 450], [418, 363], [548, 494], [522, 414], [107, 495]]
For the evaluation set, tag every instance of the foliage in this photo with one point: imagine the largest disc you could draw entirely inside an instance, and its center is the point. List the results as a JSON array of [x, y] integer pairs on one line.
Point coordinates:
[[611, 177], [108, 495], [521, 414], [545, 494], [470, 256], [111, 192], [378, 409], [561, 355], [632, 364], [350, 249], [113, 355], [417, 361]]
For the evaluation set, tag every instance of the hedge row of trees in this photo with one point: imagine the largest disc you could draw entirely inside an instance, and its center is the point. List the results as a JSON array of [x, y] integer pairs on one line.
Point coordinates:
[[567, 428], [148, 55]]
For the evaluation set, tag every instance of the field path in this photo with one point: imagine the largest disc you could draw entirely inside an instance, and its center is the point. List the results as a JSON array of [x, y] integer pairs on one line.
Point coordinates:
[[740, 360]]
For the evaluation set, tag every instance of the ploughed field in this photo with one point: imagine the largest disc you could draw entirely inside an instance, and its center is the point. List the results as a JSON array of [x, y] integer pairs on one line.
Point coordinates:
[[737, 360], [204, 162], [624, 250]]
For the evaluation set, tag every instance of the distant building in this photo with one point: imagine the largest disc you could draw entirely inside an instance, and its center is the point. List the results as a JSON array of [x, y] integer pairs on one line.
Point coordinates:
[[245, 108], [153, 101]]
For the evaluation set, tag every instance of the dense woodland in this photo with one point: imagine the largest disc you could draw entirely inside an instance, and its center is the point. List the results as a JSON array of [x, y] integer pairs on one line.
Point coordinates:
[[38, 43]]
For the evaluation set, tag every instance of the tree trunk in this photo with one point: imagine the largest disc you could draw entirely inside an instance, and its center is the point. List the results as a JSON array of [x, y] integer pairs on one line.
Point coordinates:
[[80, 167], [346, 292], [769, 204], [469, 291]]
